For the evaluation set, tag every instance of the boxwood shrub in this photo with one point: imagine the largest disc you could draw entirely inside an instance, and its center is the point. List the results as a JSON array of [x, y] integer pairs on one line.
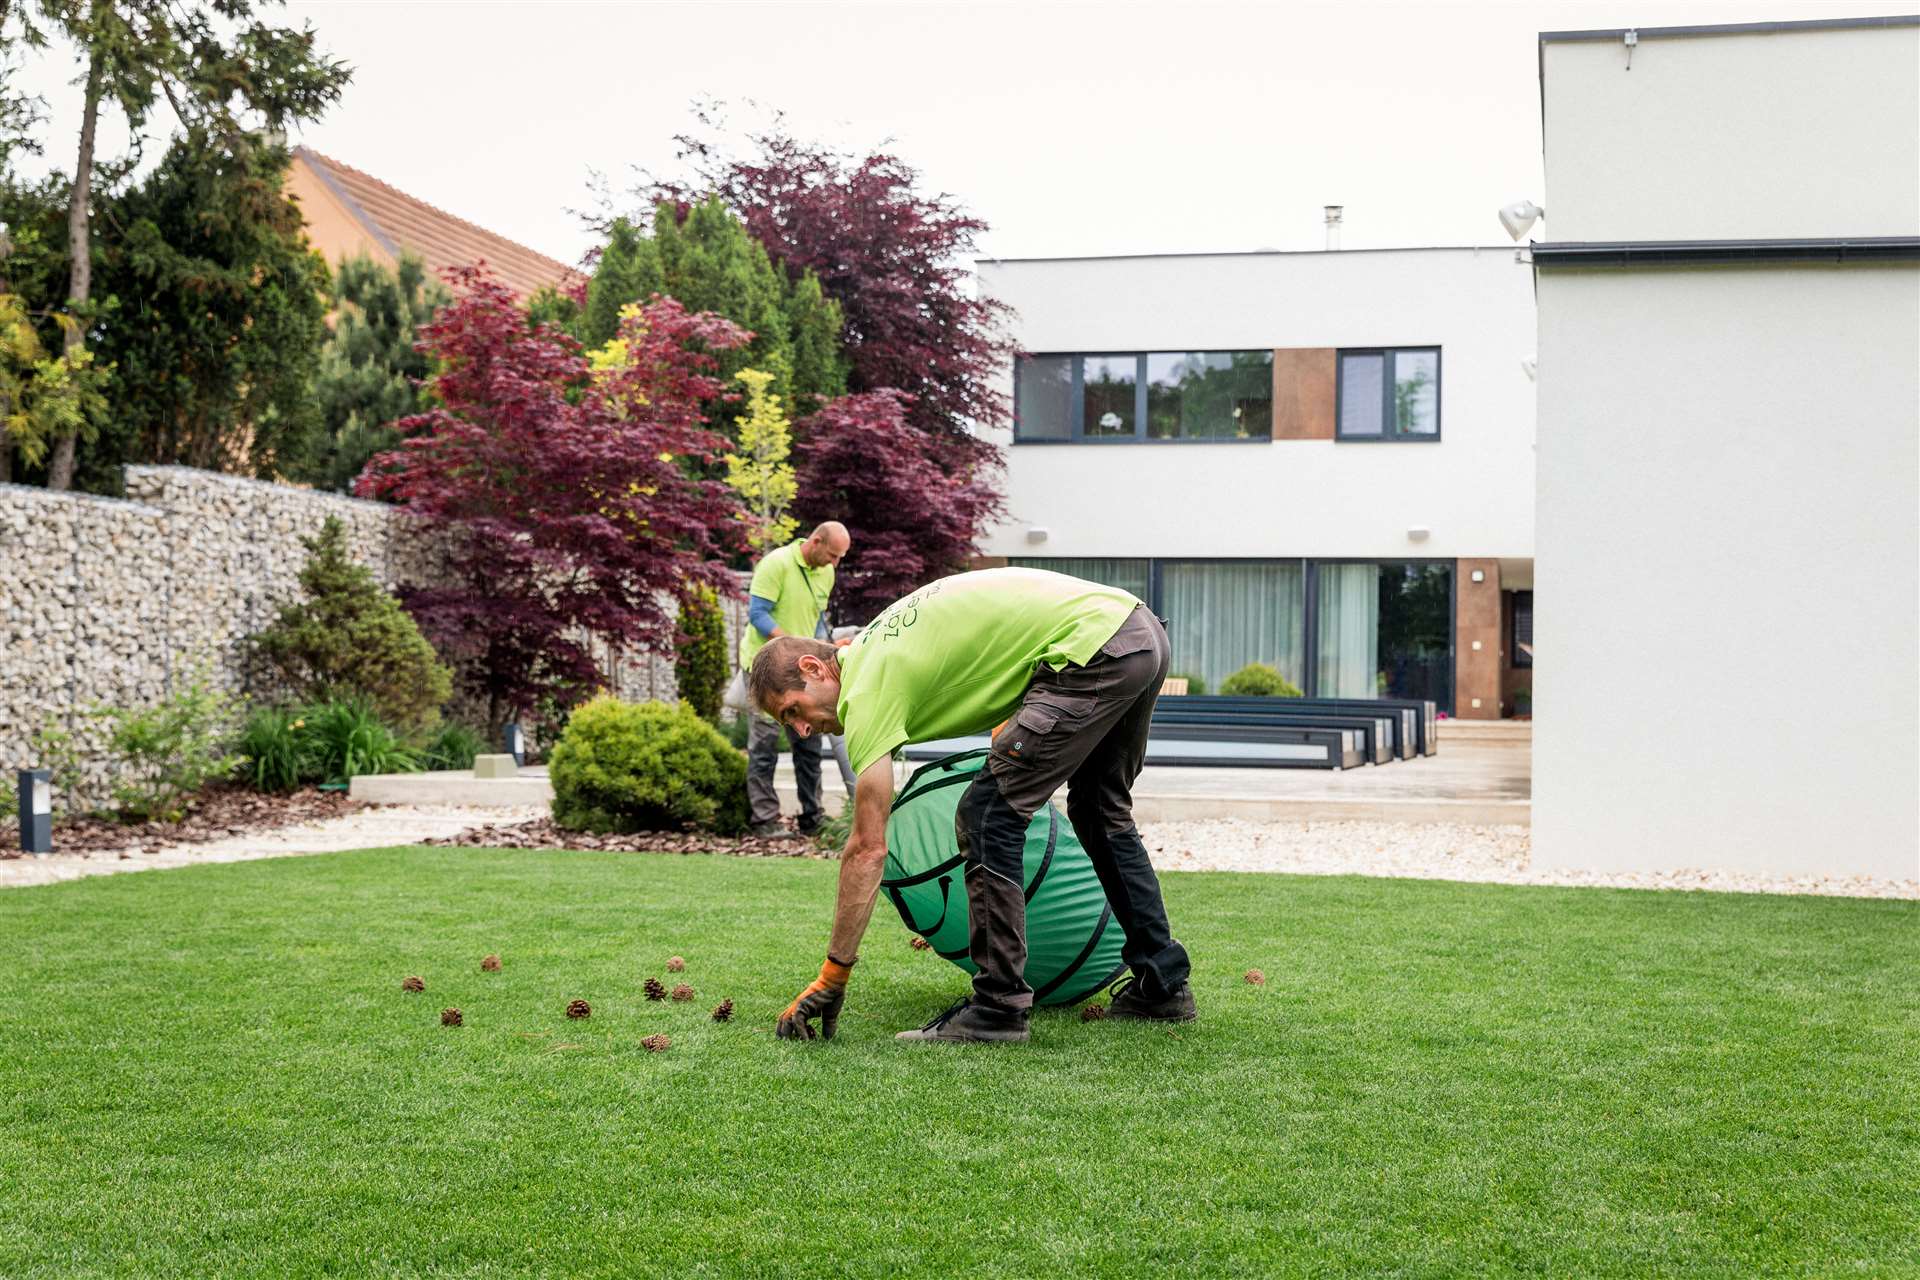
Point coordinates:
[[627, 766]]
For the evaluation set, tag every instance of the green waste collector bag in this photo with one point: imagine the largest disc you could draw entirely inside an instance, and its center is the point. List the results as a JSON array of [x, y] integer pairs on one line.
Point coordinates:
[[1073, 941]]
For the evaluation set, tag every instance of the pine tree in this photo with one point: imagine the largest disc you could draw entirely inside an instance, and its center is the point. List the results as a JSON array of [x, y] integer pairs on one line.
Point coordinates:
[[700, 666], [758, 469], [369, 375], [348, 637], [702, 256]]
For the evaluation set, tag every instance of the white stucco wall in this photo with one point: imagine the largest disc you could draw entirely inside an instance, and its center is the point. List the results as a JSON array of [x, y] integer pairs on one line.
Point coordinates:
[[1729, 567], [1473, 489], [1734, 136]]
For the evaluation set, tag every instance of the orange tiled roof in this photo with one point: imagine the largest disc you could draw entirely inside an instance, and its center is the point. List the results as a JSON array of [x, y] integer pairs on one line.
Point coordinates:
[[399, 223]]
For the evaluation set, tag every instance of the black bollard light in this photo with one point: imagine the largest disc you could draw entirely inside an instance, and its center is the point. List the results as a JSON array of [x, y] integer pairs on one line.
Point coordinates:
[[516, 744], [36, 811]]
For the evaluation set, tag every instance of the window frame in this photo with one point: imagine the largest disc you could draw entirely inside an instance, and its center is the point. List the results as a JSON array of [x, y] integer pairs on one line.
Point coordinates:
[[1076, 401], [1387, 434]]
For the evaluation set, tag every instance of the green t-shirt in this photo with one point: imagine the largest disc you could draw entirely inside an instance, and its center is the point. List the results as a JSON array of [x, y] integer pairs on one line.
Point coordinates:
[[799, 593], [955, 657]]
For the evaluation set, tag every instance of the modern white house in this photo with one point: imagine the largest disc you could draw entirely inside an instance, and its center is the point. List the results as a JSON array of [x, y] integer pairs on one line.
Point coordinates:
[[1321, 461], [1729, 449]]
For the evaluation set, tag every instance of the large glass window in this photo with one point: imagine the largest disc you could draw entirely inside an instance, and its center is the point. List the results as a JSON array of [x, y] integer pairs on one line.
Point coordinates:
[[1154, 396], [1390, 395], [1223, 615], [1384, 630], [1107, 385], [1129, 575], [1043, 398], [1209, 395]]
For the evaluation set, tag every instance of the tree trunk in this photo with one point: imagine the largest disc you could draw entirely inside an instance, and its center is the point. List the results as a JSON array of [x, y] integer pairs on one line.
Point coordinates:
[[80, 252], [6, 461]]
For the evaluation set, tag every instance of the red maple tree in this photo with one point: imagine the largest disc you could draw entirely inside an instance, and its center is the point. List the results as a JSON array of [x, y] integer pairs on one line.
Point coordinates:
[[574, 496], [892, 256], [914, 506]]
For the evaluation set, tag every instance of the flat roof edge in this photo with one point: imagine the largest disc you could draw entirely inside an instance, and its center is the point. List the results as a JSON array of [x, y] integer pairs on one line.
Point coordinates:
[[1625, 253], [1734, 28], [1252, 253]]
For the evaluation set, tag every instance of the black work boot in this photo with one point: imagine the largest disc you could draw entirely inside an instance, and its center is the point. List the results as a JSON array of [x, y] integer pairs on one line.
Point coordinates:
[[969, 1023], [1130, 1001]]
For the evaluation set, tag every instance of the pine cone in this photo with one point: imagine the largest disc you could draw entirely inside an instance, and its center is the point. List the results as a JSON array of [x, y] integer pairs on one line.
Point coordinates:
[[920, 944], [1256, 978], [723, 1012], [683, 992], [579, 1009], [1093, 1012], [413, 984], [490, 965], [655, 1044], [449, 1017], [653, 989], [675, 964]]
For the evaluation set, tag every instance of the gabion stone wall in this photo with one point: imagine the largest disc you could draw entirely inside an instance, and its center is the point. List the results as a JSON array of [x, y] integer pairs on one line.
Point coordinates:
[[112, 601]]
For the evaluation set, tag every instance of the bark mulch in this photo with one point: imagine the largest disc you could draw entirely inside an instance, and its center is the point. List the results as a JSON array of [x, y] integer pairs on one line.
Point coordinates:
[[214, 814], [542, 834]]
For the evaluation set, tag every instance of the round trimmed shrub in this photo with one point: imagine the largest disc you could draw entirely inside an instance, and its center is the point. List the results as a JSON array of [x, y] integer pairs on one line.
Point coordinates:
[[644, 766], [1258, 680]]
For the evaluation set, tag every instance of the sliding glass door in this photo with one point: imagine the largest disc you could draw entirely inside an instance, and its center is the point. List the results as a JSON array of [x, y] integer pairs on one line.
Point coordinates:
[[1223, 614]]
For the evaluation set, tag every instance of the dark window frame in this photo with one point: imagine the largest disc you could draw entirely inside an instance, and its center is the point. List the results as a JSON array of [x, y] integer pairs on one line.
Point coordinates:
[[1387, 434], [1076, 401], [1310, 604]]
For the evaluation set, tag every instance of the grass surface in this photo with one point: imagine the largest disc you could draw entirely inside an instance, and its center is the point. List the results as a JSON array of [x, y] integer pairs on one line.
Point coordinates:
[[213, 1071]]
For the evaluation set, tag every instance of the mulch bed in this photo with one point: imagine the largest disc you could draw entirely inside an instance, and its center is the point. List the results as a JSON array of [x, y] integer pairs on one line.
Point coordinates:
[[214, 814], [542, 834]]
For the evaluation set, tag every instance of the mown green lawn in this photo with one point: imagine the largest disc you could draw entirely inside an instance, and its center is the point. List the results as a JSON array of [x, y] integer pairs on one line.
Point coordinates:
[[213, 1071]]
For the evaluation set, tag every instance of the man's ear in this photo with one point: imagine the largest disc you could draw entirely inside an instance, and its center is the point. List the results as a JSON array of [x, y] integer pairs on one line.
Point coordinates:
[[811, 667]]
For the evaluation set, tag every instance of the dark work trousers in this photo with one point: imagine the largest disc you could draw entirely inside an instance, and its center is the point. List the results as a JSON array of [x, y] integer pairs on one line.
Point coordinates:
[[763, 753], [1085, 727]]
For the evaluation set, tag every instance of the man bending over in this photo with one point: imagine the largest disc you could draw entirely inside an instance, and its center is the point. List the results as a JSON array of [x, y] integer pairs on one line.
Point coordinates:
[[1074, 669]]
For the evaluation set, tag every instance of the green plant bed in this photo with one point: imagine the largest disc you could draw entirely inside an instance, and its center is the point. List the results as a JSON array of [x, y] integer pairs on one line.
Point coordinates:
[[213, 1071]]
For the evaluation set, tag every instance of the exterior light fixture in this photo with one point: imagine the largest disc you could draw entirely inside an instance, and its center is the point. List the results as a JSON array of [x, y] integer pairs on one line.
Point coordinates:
[[1418, 534], [1479, 575], [516, 743], [1518, 218], [1037, 534], [36, 811]]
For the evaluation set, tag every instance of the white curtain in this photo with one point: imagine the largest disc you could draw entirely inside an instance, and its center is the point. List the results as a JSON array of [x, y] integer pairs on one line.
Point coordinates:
[[1128, 575], [1349, 630], [1223, 616]]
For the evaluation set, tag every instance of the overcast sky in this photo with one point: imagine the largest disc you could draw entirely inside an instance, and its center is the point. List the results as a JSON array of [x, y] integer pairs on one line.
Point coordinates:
[[1072, 128]]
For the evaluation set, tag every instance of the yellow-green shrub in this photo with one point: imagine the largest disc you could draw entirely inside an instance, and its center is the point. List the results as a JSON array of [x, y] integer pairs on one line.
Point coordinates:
[[625, 766]]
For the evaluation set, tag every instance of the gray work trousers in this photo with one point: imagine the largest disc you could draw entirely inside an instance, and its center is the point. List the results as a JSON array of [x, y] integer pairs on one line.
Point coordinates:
[[763, 754]]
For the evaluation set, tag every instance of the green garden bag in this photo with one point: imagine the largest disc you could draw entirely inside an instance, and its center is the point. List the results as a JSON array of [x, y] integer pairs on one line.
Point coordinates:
[[1073, 942]]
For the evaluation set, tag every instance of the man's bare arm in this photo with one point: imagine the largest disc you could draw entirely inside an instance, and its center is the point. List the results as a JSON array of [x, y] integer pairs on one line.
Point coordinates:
[[863, 861]]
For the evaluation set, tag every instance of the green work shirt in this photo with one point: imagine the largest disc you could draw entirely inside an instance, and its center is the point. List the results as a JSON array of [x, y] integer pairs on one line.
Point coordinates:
[[955, 657], [799, 593]]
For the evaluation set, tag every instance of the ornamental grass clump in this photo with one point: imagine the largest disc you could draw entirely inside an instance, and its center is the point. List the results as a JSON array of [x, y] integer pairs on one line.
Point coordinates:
[[626, 767]]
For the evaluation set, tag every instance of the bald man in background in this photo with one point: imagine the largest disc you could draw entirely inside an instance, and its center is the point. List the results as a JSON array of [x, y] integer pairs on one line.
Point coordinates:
[[788, 597]]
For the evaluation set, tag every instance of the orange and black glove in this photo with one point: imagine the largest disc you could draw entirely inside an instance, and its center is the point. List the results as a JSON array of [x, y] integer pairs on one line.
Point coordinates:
[[822, 999]]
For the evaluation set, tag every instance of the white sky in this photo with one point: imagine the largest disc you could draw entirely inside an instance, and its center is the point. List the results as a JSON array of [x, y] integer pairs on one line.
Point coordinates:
[[1073, 128]]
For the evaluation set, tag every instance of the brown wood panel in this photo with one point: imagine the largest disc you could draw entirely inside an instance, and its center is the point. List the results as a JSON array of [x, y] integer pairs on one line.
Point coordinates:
[[1303, 393], [1476, 617]]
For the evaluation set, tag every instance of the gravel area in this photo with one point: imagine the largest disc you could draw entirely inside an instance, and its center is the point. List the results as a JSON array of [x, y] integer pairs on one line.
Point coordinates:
[[1424, 851], [365, 827], [1443, 851]]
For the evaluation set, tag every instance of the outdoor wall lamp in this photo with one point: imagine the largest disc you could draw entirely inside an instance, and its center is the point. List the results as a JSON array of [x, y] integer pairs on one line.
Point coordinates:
[[1479, 575], [1037, 534], [1417, 534], [36, 811], [1518, 218]]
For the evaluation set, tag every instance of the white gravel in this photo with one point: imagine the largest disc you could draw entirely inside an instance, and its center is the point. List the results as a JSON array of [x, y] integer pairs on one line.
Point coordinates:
[[1421, 851], [374, 827], [1443, 851]]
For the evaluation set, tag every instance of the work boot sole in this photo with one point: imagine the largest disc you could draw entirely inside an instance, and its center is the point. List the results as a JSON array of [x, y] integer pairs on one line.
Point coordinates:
[[923, 1036]]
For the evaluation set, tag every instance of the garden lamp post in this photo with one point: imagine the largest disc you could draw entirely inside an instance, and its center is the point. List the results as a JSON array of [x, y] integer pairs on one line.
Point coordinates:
[[516, 743], [36, 811]]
